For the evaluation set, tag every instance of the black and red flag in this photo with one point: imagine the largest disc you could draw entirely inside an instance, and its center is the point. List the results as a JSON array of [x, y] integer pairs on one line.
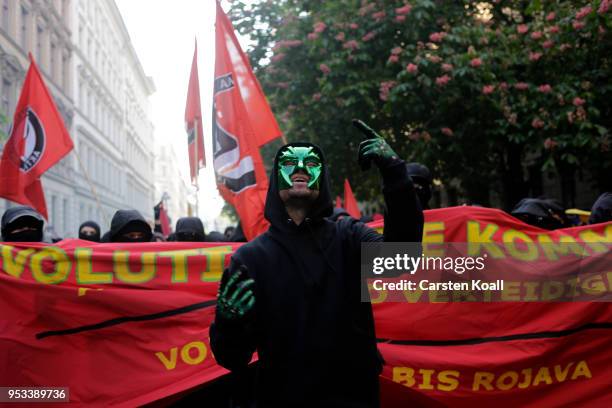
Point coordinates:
[[193, 121], [242, 122], [38, 140], [162, 221]]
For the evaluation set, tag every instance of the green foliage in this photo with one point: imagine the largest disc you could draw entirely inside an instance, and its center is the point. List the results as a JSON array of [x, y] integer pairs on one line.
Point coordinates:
[[481, 92]]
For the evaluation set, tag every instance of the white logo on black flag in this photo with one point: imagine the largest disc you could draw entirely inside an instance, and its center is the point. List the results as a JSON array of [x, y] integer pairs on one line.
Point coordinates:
[[237, 175]]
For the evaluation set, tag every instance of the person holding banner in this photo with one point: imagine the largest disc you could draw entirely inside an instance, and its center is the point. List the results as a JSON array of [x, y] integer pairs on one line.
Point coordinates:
[[293, 294], [22, 224]]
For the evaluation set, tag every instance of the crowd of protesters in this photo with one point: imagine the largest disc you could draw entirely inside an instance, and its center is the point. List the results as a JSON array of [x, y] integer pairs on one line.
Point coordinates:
[[24, 224]]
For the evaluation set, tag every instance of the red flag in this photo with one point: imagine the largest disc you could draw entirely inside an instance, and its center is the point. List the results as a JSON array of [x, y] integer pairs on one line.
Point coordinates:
[[193, 121], [38, 140], [350, 203], [338, 202], [161, 219], [242, 121]]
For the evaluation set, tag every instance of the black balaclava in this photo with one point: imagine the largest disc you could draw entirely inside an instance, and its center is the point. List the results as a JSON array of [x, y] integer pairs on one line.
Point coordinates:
[[126, 221], [421, 179], [602, 209], [541, 212], [18, 217], [93, 237], [190, 229]]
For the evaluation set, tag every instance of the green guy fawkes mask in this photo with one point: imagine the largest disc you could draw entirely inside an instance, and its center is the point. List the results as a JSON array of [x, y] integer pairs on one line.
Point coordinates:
[[295, 158]]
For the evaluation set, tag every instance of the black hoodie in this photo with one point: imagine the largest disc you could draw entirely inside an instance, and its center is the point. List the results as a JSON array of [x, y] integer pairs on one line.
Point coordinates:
[[314, 336], [602, 209], [95, 237], [18, 217], [125, 221], [190, 229]]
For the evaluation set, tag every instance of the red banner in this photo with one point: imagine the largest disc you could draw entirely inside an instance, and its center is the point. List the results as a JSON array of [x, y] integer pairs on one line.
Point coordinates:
[[127, 324]]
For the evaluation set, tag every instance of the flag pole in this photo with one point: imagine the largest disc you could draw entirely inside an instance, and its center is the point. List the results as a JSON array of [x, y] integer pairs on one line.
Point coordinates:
[[197, 166], [91, 186]]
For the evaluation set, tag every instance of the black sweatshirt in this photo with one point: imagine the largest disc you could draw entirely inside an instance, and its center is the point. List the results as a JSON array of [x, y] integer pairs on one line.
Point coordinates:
[[314, 337]]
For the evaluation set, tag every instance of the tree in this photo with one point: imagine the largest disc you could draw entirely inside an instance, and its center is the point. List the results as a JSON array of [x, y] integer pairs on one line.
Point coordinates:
[[489, 94]]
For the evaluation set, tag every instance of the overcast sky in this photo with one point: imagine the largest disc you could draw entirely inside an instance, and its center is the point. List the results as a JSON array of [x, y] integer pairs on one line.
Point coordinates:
[[163, 34]]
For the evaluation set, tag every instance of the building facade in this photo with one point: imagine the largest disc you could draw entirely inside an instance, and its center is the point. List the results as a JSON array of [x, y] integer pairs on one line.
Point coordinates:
[[170, 183], [88, 62]]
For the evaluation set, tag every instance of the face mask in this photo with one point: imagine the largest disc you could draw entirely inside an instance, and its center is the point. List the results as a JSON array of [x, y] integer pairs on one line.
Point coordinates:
[[24, 236], [293, 159]]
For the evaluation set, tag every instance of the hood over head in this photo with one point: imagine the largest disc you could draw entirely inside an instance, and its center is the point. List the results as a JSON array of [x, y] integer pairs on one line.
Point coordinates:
[[541, 212], [125, 221], [189, 229], [322, 207], [95, 237], [19, 217], [602, 209], [338, 213]]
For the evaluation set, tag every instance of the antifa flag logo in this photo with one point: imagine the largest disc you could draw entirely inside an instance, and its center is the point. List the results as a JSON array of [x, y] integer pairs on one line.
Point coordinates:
[[33, 141], [234, 173]]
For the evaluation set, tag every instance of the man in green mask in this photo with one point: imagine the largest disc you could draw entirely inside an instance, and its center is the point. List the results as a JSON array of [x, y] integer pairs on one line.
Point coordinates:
[[294, 295]]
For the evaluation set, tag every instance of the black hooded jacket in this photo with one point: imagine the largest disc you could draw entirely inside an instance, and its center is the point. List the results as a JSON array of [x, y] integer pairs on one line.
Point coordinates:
[[602, 209], [190, 229], [21, 216], [95, 237], [127, 221], [314, 337]]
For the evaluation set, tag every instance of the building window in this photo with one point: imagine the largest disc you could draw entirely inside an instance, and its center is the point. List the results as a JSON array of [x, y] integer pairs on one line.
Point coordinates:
[[23, 35], [5, 15], [52, 62], [39, 46], [66, 73]]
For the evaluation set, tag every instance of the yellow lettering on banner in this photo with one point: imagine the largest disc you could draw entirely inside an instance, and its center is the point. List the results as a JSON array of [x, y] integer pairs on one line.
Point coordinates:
[[215, 259], [563, 247], [594, 285], [430, 238], [60, 263], [438, 296], [582, 369], [530, 291], [413, 296], [179, 263], [483, 378], [501, 382], [542, 375], [404, 376], [83, 291], [448, 380], [598, 243], [426, 384], [125, 274], [552, 290], [169, 363], [482, 240], [380, 297], [527, 378], [561, 375], [84, 273], [530, 251], [200, 352], [14, 266], [511, 292]]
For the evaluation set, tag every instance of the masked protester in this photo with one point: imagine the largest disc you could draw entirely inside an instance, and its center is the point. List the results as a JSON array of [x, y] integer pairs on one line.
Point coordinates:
[[544, 213], [602, 209], [229, 231], [293, 293], [421, 178], [129, 226], [22, 224], [89, 231], [189, 229]]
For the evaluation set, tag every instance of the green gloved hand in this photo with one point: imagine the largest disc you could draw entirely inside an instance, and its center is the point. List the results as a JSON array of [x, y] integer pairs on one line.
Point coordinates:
[[374, 148], [236, 298]]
